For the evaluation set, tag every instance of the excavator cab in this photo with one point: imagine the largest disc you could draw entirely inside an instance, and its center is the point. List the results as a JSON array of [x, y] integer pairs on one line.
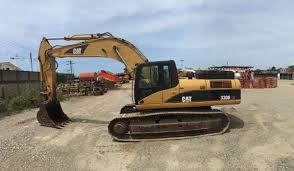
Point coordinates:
[[154, 77]]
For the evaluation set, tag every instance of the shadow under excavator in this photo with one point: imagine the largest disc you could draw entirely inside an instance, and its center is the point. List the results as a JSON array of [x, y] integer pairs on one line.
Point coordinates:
[[236, 123], [92, 121]]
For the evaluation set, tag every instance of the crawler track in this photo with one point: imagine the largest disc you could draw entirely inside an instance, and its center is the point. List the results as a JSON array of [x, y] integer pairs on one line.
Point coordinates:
[[167, 124]]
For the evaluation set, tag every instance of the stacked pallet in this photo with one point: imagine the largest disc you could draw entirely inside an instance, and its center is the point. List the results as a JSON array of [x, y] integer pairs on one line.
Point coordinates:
[[250, 80]]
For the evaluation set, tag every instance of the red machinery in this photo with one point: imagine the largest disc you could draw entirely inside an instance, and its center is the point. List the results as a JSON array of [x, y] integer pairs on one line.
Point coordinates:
[[88, 76], [109, 76], [92, 76]]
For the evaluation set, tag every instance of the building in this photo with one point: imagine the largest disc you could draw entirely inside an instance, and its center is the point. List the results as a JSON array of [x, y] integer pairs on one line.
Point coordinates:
[[232, 68], [286, 73], [286, 70], [9, 66]]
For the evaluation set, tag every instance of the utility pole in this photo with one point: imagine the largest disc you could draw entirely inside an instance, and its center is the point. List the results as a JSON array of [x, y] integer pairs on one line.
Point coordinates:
[[182, 63], [30, 57], [31, 60], [228, 61], [70, 63]]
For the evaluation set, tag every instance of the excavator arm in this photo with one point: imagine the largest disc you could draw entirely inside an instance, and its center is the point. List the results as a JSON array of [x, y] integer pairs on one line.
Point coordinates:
[[91, 45]]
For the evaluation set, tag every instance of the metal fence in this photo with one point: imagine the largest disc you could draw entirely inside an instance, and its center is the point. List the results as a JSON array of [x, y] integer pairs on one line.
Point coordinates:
[[13, 83]]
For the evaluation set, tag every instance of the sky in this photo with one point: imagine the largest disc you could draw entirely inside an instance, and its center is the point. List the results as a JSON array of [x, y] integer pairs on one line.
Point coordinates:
[[203, 33]]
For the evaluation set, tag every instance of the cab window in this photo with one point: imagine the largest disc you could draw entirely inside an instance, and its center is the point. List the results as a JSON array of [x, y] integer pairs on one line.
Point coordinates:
[[166, 76], [149, 77]]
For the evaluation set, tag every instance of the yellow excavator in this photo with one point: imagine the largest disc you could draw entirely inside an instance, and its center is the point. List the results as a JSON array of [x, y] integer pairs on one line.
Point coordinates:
[[164, 106]]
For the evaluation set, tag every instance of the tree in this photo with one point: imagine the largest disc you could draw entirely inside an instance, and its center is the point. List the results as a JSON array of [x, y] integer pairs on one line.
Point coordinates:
[[272, 68], [291, 68]]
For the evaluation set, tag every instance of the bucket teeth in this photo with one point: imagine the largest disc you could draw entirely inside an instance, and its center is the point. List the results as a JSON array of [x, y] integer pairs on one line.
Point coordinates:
[[51, 114]]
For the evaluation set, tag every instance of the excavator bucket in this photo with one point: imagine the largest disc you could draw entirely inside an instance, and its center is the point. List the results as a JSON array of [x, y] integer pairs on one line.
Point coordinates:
[[51, 114]]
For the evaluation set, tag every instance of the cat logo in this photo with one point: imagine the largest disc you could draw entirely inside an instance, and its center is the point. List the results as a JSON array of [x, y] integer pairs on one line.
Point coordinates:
[[186, 98], [77, 51]]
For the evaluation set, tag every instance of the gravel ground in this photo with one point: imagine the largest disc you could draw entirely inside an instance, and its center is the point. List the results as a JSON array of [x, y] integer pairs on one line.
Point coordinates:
[[260, 138]]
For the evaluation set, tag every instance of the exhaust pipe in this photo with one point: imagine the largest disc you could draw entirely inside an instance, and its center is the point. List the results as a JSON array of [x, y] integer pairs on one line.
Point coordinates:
[[50, 114]]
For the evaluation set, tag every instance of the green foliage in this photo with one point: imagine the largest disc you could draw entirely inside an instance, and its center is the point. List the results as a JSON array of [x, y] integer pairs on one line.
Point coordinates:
[[23, 101], [60, 96], [17, 103], [3, 105], [291, 68]]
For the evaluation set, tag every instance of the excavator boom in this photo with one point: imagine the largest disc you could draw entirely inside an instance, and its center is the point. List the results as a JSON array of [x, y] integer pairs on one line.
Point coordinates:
[[92, 45]]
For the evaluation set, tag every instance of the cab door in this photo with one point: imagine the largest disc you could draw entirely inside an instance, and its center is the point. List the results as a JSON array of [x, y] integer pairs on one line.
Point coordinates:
[[155, 82], [147, 85], [170, 90]]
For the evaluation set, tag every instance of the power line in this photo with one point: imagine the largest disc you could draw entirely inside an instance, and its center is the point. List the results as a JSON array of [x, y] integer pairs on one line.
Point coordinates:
[[30, 58], [17, 48]]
